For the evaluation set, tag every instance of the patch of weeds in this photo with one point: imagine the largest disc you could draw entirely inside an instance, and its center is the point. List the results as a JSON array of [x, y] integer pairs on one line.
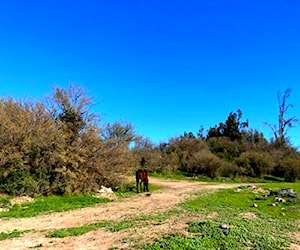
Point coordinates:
[[111, 226], [49, 204], [118, 226], [75, 231], [269, 230], [236, 233], [5, 202], [154, 187], [222, 200], [280, 185], [160, 216], [126, 190], [239, 233], [13, 234], [129, 189], [236, 202], [177, 242]]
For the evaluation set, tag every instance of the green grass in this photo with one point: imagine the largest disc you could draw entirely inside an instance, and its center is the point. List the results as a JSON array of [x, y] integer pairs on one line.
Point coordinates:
[[75, 231], [159, 217], [278, 186], [241, 234], [270, 229], [49, 204], [177, 242], [174, 175], [13, 234], [129, 189], [228, 200]]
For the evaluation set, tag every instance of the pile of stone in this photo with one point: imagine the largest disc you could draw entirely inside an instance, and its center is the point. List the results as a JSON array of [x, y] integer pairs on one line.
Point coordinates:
[[105, 192]]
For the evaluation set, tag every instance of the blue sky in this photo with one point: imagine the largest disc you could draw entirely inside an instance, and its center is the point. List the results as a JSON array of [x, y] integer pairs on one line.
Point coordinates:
[[164, 66]]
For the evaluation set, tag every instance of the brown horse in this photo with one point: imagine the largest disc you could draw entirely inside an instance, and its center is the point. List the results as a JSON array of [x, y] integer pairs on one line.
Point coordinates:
[[142, 180]]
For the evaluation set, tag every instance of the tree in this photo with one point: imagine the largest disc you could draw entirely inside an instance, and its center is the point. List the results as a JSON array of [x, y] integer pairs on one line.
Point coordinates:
[[119, 133], [200, 133], [284, 123], [232, 128], [70, 108]]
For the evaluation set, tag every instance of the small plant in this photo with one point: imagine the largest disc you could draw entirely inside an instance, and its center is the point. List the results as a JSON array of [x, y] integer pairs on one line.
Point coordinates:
[[75, 231], [37, 246], [13, 234]]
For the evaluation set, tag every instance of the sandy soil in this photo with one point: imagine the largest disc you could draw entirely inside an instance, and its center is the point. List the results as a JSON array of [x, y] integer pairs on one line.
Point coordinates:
[[126, 208]]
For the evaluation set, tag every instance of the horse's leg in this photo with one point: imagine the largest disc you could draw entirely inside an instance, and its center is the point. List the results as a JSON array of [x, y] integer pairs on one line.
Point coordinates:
[[137, 185], [137, 181]]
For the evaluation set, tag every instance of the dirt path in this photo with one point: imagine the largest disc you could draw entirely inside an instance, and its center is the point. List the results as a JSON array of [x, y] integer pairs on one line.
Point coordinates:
[[163, 200]]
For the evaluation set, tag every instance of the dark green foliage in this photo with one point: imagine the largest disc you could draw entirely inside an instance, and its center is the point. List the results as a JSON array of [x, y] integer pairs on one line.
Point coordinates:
[[254, 164], [290, 168], [232, 128], [225, 148], [286, 163]]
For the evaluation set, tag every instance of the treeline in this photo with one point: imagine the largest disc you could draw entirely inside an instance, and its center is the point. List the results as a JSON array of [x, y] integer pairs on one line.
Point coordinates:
[[228, 150], [58, 146]]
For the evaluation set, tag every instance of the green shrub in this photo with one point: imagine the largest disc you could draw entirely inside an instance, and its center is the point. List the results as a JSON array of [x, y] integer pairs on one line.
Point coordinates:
[[225, 148], [290, 168], [202, 163], [254, 164]]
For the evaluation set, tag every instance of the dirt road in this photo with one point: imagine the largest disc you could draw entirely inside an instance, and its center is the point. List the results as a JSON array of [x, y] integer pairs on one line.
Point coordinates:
[[172, 193]]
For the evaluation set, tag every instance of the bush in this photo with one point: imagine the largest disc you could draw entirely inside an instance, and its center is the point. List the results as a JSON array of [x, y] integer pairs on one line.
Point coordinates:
[[225, 148], [206, 163], [254, 164], [289, 168], [55, 147]]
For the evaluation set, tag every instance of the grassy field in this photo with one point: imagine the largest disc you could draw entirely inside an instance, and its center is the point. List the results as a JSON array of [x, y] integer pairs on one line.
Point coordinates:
[[237, 224], [239, 218]]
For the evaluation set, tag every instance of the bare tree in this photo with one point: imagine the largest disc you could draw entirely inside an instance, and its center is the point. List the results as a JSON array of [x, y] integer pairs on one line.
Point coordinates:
[[284, 123], [119, 133]]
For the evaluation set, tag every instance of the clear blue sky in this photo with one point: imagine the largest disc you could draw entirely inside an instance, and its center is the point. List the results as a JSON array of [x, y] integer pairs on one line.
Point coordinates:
[[164, 66]]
